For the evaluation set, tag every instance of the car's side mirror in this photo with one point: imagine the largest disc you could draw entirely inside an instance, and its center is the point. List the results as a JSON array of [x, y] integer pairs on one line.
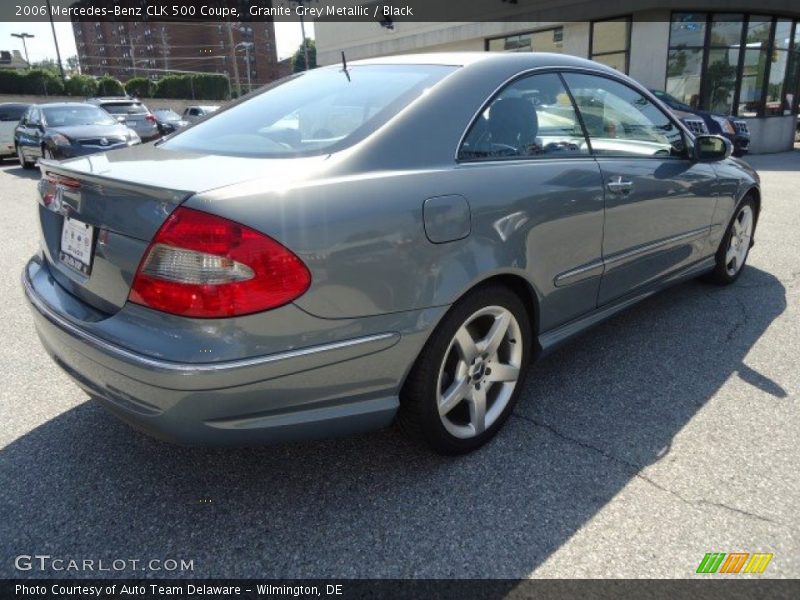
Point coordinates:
[[709, 148]]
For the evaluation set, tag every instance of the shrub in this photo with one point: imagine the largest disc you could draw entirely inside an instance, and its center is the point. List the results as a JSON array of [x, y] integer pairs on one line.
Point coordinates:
[[139, 87], [195, 87], [81, 85], [108, 86]]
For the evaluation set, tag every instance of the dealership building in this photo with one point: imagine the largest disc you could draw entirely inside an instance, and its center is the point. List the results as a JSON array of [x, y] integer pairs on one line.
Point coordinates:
[[731, 57]]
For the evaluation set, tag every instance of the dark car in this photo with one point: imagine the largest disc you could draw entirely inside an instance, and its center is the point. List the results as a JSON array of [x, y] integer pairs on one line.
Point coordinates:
[[734, 129], [168, 121], [130, 112], [67, 129]]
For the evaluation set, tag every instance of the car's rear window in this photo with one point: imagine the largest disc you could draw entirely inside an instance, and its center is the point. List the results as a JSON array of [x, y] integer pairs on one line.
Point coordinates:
[[125, 108], [317, 112], [12, 112]]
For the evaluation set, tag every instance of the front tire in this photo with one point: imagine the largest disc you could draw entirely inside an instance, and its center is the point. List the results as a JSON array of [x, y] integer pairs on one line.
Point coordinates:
[[469, 375], [735, 246], [25, 164]]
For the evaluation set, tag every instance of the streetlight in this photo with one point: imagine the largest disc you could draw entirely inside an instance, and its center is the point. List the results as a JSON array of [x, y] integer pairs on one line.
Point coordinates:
[[247, 46], [23, 36]]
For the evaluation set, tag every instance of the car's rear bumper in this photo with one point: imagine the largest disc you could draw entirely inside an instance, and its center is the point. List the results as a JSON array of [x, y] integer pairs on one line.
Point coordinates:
[[341, 387]]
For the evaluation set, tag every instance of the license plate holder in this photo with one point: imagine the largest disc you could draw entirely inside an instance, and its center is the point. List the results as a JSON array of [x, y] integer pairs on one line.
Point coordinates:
[[77, 245]]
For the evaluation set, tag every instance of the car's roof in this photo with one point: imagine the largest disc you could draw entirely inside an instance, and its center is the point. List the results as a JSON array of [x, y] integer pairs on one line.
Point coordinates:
[[15, 104], [115, 99], [462, 59], [63, 104]]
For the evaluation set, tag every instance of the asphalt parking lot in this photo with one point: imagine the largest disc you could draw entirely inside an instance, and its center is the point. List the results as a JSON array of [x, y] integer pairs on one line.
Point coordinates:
[[666, 433]]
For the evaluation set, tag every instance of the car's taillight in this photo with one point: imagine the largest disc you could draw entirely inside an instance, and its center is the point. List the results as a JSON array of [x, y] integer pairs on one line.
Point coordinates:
[[201, 265], [150, 117]]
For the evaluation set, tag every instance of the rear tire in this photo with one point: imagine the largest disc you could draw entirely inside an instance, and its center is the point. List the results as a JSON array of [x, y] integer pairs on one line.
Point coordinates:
[[734, 248], [469, 376]]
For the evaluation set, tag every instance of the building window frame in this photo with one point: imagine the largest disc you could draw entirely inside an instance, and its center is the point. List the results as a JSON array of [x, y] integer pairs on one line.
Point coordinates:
[[628, 18], [793, 53]]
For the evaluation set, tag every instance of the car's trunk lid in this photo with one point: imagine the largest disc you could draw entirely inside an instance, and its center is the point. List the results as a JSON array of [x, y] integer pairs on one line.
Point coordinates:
[[125, 196]]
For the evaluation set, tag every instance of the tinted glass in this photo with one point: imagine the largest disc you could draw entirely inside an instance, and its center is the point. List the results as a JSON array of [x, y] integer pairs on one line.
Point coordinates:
[[65, 116], [12, 112], [783, 32], [620, 121], [755, 62], [125, 108], [683, 75], [320, 111], [777, 103], [687, 29], [721, 80], [758, 31], [532, 118], [726, 30]]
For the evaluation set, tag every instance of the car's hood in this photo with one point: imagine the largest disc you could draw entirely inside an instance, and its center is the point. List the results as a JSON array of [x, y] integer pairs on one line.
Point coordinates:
[[90, 131], [154, 166]]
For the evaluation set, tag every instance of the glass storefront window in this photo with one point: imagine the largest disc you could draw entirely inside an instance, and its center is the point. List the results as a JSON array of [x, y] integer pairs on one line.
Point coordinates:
[[758, 30], [752, 83], [618, 61], [720, 75], [783, 33], [777, 103], [726, 30], [688, 29], [683, 75]]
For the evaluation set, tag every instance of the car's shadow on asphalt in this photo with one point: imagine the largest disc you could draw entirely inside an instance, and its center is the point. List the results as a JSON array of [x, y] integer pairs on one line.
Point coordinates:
[[593, 415], [13, 168]]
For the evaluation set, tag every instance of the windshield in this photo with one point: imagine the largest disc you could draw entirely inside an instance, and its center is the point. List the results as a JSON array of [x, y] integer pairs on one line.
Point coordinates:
[[61, 116], [12, 112], [125, 108], [316, 112], [168, 115]]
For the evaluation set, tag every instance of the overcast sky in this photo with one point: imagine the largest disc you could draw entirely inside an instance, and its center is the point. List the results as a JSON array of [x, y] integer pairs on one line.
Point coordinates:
[[287, 36]]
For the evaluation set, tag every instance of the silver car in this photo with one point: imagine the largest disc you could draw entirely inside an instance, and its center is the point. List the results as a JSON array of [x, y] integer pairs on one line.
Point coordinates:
[[392, 240]]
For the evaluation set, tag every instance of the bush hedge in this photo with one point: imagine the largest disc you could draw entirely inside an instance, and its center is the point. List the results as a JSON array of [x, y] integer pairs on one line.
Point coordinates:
[[40, 82], [139, 87]]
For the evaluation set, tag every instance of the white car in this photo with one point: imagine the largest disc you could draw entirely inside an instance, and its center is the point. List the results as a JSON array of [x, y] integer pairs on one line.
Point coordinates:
[[10, 114]]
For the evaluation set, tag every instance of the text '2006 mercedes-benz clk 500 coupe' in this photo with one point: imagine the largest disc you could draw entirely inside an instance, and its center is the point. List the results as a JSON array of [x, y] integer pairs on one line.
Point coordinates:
[[393, 239]]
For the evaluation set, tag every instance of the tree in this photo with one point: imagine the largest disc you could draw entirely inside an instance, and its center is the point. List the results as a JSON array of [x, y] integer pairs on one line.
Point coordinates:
[[73, 64], [81, 85], [108, 86], [48, 64], [299, 58]]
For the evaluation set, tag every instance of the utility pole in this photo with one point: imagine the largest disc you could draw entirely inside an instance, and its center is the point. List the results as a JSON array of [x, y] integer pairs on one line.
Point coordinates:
[[164, 48], [301, 3], [23, 37], [233, 58], [133, 57], [55, 41]]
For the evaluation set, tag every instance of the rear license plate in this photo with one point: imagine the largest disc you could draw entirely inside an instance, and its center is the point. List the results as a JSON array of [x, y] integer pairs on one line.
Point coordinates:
[[77, 238]]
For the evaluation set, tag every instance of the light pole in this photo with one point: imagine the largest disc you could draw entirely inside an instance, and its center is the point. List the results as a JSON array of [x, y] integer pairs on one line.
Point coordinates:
[[247, 46], [55, 41], [301, 3], [23, 36]]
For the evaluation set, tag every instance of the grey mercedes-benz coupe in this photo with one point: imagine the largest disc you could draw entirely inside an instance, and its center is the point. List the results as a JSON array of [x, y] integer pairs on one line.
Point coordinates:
[[392, 239]]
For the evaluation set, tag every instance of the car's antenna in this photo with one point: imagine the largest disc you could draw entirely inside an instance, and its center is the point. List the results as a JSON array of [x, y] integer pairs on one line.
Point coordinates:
[[344, 66]]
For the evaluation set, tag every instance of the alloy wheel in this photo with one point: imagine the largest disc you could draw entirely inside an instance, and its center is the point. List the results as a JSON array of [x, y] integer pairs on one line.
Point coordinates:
[[739, 244], [480, 370]]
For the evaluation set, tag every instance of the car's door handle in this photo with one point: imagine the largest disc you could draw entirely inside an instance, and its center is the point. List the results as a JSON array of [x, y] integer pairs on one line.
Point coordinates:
[[618, 185]]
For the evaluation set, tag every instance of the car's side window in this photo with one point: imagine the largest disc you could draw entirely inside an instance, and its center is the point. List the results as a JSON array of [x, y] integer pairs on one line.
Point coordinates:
[[532, 117], [33, 117], [621, 121]]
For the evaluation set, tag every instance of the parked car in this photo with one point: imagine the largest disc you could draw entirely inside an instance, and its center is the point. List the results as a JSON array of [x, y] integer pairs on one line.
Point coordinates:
[[10, 114], [130, 112], [431, 225], [62, 130], [195, 113], [168, 121], [733, 128]]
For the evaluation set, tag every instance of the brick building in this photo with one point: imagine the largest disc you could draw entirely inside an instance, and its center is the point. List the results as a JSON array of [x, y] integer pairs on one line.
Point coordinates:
[[151, 49]]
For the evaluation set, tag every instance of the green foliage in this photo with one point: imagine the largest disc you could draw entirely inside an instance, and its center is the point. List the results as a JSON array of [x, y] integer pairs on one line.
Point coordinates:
[[139, 87], [81, 85], [195, 87], [299, 58], [108, 86], [35, 82]]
